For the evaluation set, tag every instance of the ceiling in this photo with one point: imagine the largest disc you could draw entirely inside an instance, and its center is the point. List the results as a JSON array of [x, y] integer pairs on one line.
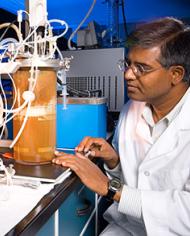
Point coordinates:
[[73, 11]]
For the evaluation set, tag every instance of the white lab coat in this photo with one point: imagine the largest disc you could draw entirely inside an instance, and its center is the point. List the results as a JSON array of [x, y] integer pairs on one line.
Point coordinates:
[[163, 176]]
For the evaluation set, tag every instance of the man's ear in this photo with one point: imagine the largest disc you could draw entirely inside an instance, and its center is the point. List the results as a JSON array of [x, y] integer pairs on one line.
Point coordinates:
[[177, 73]]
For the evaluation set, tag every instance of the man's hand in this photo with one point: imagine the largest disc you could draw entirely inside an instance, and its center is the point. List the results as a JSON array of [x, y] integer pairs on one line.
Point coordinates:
[[99, 148], [87, 171]]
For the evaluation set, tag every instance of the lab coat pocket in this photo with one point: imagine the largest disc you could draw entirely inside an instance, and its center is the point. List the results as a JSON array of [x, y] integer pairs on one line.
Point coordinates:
[[173, 179]]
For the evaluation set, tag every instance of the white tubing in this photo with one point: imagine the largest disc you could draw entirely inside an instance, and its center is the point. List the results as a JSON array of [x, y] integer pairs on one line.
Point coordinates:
[[23, 42], [19, 35], [22, 127], [59, 53], [82, 22], [16, 109], [62, 23], [8, 40]]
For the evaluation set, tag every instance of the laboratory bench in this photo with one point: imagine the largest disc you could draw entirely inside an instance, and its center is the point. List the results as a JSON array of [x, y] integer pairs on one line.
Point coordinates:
[[40, 214], [66, 210]]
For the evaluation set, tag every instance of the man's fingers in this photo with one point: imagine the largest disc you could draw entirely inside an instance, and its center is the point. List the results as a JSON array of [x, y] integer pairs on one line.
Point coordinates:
[[82, 145], [58, 154], [74, 163], [80, 155], [89, 143]]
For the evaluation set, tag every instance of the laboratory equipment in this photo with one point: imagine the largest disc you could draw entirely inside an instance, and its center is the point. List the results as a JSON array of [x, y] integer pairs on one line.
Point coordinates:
[[89, 37], [6, 176], [98, 69], [81, 23], [83, 117], [32, 63], [41, 118]]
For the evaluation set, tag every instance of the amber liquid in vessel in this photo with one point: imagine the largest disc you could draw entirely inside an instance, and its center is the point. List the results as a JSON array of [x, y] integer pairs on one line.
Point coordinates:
[[36, 144]]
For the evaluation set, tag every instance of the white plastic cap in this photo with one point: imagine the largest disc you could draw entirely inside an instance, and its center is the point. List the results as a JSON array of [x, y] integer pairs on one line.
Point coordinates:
[[19, 16], [28, 96]]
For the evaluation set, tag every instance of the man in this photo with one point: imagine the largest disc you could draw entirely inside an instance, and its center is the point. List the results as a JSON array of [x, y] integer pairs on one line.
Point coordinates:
[[151, 155]]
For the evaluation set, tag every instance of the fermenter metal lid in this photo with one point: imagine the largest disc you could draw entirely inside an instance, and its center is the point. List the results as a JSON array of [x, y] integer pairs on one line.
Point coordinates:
[[83, 100], [39, 62]]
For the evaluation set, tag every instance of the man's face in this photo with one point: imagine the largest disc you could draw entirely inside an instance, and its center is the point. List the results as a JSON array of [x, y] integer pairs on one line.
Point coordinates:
[[146, 79]]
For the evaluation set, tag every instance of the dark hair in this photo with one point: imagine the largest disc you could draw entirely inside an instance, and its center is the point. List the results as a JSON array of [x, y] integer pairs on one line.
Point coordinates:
[[176, 51], [171, 35], [154, 33]]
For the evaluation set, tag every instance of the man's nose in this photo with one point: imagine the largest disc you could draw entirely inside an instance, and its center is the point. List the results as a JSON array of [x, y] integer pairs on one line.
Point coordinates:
[[129, 74]]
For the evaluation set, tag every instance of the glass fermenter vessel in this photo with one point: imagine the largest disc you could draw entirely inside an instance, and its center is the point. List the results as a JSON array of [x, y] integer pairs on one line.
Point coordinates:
[[37, 141]]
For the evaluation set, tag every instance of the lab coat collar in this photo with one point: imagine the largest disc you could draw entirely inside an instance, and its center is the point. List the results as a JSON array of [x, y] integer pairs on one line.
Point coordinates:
[[170, 139], [142, 130]]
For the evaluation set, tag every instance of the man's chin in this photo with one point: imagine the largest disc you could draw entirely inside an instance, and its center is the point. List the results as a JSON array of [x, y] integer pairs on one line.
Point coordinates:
[[135, 97]]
